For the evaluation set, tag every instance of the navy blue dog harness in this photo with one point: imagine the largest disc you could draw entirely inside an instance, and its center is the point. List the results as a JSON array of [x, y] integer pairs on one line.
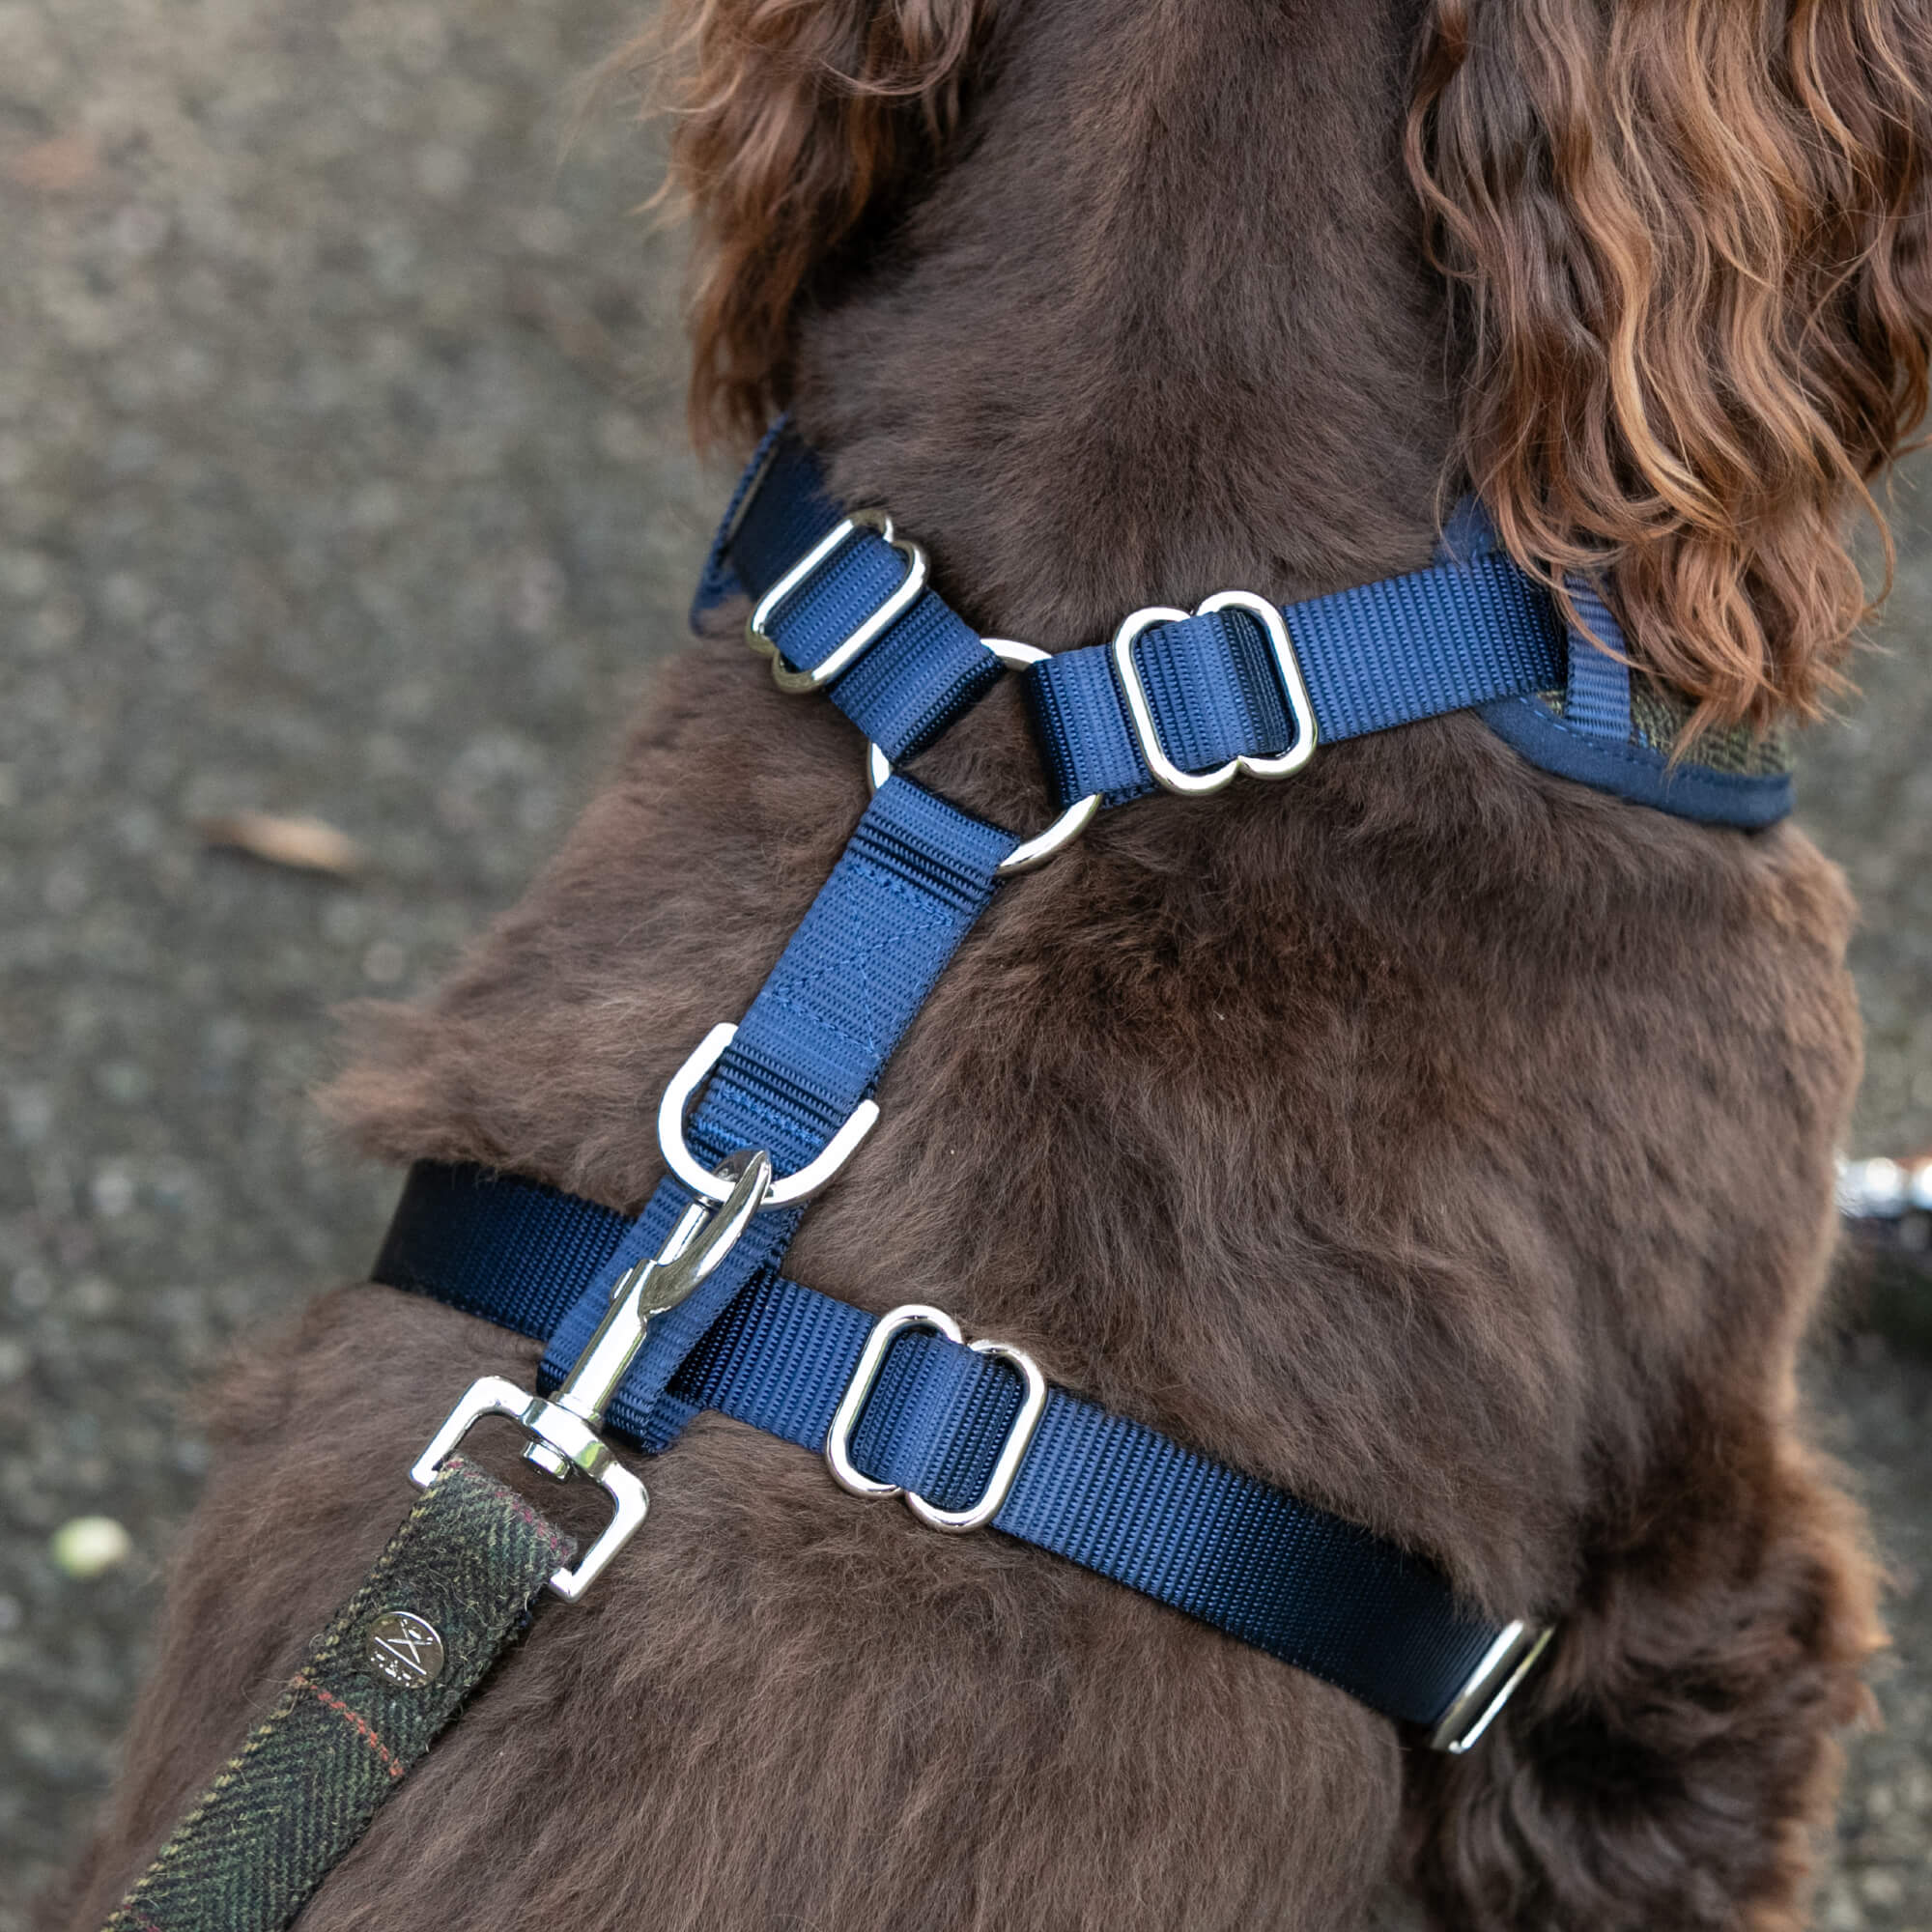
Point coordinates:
[[766, 1111]]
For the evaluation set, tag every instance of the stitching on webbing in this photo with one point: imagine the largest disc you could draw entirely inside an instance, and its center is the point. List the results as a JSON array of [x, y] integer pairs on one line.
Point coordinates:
[[1694, 778]]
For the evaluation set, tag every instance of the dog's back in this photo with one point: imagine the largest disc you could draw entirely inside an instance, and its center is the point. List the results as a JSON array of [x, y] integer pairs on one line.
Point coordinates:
[[1444, 1141]]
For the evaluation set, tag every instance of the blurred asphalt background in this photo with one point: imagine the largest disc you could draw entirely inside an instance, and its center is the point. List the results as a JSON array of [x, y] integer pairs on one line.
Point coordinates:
[[342, 473]]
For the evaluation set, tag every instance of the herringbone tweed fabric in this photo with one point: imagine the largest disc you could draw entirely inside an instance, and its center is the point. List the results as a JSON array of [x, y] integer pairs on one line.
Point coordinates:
[[467, 1561], [1660, 718]]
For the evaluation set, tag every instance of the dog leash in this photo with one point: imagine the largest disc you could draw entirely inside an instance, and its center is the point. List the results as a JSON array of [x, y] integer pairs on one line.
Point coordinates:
[[451, 1591], [651, 1318], [455, 1586]]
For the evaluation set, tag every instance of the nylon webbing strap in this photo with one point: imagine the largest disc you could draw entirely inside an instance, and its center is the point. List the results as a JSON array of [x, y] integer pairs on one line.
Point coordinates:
[[1472, 633], [445, 1597], [1101, 1490], [1374, 657], [1110, 1494], [921, 674], [509, 1250], [1597, 697], [1470, 630], [905, 891]]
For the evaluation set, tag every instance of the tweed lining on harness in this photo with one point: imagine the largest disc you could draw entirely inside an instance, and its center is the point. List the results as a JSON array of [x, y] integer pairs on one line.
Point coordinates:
[[1658, 718]]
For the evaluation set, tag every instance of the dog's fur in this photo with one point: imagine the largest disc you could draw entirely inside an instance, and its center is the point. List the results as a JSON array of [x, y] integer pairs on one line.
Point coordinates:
[[1437, 1139]]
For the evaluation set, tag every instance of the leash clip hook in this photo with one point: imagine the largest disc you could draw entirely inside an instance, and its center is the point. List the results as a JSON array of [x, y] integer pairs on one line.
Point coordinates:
[[563, 1428], [703, 1238]]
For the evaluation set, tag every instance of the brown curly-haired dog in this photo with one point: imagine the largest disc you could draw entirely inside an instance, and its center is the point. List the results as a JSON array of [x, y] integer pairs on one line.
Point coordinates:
[[1444, 1141]]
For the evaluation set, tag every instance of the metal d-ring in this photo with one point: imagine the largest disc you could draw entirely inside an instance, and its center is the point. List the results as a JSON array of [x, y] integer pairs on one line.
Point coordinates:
[[847, 653], [1288, 672], [788, 1189], [1030, 853], [1013, 1452], [1490, 1685]]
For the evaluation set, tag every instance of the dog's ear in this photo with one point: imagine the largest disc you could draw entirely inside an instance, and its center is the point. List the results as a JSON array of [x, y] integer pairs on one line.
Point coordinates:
[[1692, 245], [794, 124]]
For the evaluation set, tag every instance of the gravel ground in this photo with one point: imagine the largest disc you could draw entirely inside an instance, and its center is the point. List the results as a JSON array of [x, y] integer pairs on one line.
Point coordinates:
[[341, 473]]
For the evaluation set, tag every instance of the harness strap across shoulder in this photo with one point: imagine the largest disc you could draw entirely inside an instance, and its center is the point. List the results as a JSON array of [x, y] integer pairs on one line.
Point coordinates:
[[1182, 701], [1372, 658], [920, 670]]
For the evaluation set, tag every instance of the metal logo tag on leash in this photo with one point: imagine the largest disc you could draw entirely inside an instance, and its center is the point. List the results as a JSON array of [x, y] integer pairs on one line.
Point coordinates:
[[403, 1649]]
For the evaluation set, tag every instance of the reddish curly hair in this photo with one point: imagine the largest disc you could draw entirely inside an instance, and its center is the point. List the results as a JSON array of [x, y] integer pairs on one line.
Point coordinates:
[[1685, 239], [794, 122], [1690, 241]]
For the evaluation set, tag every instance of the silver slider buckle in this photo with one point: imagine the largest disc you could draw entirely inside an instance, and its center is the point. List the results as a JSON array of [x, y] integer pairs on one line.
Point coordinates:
[[1490, 1685], [563, 1428], [852, 1405], [841, 658], [1288, 672]]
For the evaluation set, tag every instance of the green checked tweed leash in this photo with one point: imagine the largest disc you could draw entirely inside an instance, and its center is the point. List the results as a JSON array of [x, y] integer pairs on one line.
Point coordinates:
[[451, 1591]]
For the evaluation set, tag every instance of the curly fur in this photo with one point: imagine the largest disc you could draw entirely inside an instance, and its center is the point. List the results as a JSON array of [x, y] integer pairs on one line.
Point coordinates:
[[1442, 1141], [1691, 241]]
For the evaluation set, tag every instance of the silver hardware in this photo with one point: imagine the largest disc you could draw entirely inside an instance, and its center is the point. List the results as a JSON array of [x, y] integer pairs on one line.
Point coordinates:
[[1030, 853], [575, 1441], [703, 1238], [749, 495], [403, 1649], [788, 1189], [758, 632], [563, 1431], [852, 1405], [1489, 1687], [1287, 670]]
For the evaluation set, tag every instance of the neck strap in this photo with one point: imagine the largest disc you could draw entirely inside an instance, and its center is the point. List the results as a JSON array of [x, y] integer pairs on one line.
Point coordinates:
[[842, 603], [1187, 700]]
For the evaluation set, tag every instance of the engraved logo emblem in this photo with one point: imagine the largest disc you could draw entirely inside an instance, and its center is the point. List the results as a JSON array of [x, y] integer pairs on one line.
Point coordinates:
[[402, 1648]]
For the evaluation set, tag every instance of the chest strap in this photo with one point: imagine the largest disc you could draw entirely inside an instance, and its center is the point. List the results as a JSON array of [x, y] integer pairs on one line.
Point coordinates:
[[1291, 1579]]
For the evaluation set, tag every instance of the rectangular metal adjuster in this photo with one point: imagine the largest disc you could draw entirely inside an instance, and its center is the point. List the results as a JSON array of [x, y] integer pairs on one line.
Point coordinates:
[[1490, 1685], [850, 648], [889, 1327], [1287, 674]]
